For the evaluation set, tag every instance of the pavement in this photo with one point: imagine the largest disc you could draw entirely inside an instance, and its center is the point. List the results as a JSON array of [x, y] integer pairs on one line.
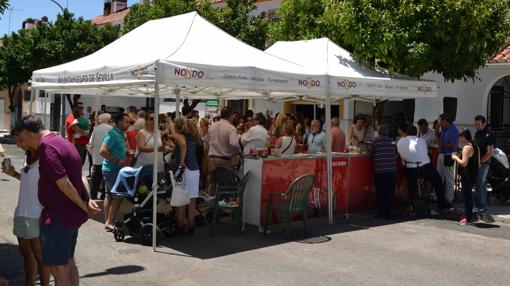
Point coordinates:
[[361, 251]]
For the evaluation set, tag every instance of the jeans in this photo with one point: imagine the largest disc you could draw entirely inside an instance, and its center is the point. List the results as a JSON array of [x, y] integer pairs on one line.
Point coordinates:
[[467, 192], [447, 177], [82, 150], [428, 172], [480, 187], [384, 193], [96, 180]]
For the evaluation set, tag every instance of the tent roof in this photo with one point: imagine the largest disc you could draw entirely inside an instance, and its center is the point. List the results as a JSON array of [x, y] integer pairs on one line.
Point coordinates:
[[348, 76], [172, 51]]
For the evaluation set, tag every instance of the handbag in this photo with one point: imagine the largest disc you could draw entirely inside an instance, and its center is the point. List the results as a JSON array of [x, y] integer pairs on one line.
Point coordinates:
[[133, 160], [448, 161], [180, 195]]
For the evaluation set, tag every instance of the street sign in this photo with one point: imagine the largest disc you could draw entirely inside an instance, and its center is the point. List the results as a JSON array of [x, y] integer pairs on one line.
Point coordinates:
[[212, 103]]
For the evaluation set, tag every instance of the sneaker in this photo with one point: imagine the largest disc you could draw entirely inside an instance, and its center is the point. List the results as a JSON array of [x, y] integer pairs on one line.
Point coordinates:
[[463, 221], [434, 212], [482, 210], [475, 210]]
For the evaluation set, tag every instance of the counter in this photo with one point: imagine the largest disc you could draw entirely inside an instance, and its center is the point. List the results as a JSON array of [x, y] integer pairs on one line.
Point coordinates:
[[353, 183]]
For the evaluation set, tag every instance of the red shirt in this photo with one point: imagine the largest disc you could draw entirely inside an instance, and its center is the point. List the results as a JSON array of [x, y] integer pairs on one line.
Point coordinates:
[[83, 140], [131, 139], [338, 136]]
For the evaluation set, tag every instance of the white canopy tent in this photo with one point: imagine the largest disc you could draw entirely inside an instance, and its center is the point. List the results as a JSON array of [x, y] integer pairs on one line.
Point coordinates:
[[181, 55], [347, 78]]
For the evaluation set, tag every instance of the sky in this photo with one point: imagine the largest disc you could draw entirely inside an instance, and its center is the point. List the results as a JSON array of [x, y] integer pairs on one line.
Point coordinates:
[[23, 9]]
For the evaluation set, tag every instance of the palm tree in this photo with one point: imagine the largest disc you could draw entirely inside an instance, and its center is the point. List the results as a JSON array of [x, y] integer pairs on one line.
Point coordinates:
[[4, 4]]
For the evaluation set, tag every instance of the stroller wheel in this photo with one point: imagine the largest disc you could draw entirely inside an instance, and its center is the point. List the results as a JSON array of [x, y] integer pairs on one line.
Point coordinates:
[[169, 228], [199, 220], [118, 233], [146, 234]]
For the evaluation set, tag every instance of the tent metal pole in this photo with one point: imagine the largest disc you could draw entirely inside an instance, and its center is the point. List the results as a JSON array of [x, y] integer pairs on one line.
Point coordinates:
[[155, 169], [329, 159], [177, 103], [314, 111], [45, 109], [31, 104]]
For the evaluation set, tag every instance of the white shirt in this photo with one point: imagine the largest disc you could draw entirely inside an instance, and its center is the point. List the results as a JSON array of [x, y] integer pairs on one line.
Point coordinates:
[[429, 137], [28, 202], [288, 143], [413, 149], [256, 137], [96, 140]]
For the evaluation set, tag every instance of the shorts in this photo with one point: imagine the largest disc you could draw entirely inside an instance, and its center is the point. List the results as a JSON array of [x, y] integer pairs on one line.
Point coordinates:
[[57, 243], [26, 227], [109, 180], [192, 182]]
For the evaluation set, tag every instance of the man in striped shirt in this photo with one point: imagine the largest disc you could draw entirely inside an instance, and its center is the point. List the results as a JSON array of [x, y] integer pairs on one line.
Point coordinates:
[[413, 151], [384, 152]]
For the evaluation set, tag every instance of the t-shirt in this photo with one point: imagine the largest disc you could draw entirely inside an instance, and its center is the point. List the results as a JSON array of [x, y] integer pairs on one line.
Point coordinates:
[[384, 154], [116, 144], [83, 140], [59, 158], [483, 139], [316, 142], [256, 137], [414, 150], [449, 135], [429, 137]]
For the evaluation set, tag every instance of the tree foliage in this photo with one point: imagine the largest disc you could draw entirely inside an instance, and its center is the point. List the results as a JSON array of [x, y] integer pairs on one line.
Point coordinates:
[[140, 13], [4, 4], [50, 44], [303, 20], [450, 37]]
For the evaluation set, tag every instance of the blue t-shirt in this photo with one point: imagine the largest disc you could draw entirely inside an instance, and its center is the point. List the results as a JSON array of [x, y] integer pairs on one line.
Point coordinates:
[[449, 135], [116, 143], [316, 142]]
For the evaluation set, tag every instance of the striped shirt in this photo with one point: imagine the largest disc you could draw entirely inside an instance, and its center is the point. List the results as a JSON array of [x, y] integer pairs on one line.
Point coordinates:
[[384, 152], [191, 156]]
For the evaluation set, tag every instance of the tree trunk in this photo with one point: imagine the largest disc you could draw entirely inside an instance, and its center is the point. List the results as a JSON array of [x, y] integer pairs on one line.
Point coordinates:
[[11, 90]]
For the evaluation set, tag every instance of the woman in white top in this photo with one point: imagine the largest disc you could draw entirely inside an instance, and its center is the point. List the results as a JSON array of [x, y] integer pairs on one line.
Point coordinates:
[[287, 143], [357, 131], [145, 145], [26, 217]]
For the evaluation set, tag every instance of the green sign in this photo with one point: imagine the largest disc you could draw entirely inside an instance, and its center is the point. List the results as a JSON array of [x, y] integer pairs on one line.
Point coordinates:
[[212, 103]]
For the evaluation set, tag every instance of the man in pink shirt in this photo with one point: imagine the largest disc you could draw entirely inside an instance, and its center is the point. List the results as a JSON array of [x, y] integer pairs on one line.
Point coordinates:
[[223, 143], [338, 136]]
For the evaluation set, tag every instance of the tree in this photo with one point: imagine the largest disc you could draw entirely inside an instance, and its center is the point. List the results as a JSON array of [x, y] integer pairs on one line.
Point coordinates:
[[301, 20], [140, 13], [4, 4], [450, 37], [50, 44]]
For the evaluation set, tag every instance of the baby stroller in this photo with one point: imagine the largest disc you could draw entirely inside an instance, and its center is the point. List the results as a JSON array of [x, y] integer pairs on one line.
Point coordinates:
[[135, 185], [498, 176]]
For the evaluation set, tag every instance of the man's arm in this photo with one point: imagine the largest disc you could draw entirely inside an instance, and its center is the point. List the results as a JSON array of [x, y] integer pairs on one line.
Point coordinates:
[[488, 154], [234, 140], [71, 193], [108, 156]]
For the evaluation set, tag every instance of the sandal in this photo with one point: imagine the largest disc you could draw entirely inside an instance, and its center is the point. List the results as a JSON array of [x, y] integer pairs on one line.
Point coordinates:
[[108, 227]]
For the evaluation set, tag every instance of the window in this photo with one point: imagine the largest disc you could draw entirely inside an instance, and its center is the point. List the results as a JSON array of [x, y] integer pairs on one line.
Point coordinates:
[[450, 107]]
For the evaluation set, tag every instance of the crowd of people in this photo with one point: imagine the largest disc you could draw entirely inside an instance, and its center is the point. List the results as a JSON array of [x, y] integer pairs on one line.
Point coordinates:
[[459, 152], [55, 199]]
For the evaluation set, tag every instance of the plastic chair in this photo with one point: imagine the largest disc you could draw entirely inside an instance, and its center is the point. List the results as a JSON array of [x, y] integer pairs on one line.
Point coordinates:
[[229, 195], [293, 201]]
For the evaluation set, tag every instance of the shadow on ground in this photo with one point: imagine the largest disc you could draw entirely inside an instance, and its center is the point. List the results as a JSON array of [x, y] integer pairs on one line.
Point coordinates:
[[126, 269]]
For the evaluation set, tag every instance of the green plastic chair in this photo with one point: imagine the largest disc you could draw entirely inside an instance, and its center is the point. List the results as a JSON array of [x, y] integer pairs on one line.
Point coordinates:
[[293, 201], [230, 186]]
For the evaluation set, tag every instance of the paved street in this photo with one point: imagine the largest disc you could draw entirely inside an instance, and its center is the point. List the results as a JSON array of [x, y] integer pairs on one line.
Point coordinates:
[[361, 252]]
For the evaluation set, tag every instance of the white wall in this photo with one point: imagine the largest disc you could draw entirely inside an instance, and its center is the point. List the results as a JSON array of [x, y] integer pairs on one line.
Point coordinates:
[[260, 105]]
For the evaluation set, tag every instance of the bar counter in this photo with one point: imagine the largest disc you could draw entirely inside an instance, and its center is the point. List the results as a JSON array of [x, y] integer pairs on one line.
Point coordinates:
[[353, 183]]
